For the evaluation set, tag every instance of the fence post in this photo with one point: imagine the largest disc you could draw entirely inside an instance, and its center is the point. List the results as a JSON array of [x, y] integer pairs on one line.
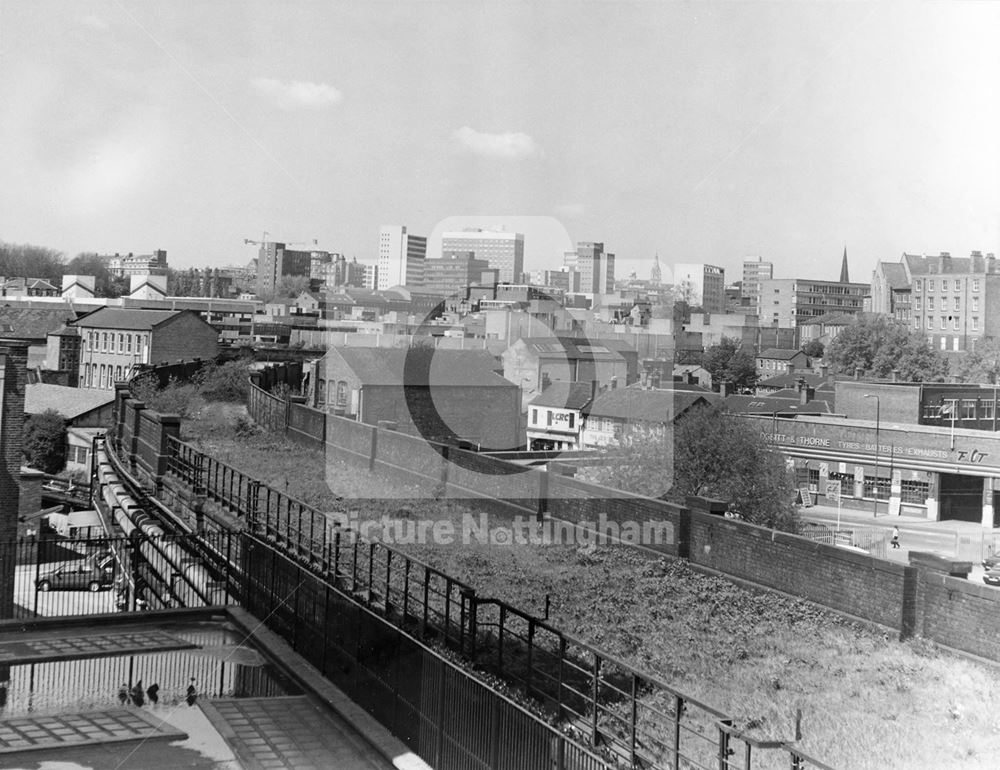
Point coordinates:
[[469, 598], [724, 750]]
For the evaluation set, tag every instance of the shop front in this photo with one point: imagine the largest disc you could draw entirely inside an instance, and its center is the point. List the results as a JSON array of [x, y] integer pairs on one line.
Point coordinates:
[[913, 470]]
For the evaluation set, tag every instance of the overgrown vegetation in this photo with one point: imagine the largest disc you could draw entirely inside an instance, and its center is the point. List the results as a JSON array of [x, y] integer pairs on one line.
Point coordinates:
[[214, 382], [44, 444], [728, 361], [866, 700]]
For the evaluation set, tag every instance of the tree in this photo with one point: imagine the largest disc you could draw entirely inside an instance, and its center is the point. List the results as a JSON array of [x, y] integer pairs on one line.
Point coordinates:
[[25, 260], [728, 361], [878, 345], [982, 364], [813, 349], [224, 382], [44, 442], [709, 453], [724, 456]]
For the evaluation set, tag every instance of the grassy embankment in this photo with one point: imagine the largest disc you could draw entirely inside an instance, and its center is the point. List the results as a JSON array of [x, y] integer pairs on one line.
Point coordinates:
[[866, 700]]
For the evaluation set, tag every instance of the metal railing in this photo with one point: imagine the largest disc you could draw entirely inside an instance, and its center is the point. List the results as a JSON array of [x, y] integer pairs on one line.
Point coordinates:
[[632, 717]]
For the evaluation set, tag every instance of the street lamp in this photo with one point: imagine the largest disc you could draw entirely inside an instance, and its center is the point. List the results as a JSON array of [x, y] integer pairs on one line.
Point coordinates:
[[877, 422]]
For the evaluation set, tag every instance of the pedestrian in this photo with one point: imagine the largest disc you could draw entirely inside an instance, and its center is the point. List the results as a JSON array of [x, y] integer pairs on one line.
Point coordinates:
[[153, 693], [192, 693], [895, 537]]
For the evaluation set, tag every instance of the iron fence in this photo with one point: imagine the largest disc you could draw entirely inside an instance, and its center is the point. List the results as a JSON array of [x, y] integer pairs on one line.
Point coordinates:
[[632, 718]]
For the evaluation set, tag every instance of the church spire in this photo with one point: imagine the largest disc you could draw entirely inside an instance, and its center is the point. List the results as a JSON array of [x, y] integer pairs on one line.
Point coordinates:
[[844, 276], [654, 275]]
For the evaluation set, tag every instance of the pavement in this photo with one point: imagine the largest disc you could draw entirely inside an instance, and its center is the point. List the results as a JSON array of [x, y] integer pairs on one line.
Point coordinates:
[[959, 540]]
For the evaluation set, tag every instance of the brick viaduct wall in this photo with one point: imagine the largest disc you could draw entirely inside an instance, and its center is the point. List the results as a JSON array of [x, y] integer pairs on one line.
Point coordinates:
[[915, 601]]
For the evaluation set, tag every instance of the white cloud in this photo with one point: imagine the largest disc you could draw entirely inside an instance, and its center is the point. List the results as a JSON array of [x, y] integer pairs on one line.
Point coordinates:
[[571, 209], [297, 94], [509, 145]]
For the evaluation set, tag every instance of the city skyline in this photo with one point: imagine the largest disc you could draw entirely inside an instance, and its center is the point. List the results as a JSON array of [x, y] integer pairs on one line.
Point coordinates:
[[700, 132]]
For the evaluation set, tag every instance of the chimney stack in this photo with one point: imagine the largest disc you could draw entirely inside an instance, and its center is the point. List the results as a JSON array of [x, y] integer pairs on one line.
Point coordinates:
[[806, 394]]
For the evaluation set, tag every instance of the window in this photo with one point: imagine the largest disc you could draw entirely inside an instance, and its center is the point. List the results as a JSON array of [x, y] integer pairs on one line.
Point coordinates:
[[572, 420], [968, 409], [958, 285], [944, 341], [944, 322], [104, 375], [128, 343], [321, 392], [548, 418], [954, 343], [118, 374], [918, 285], [916, 304], [882, 487], [955, 324], [930, 303], [930, 285], [342, 394], [975, 324], [986, 410], [93, 375], [121, 343], [104, 341], [958, 303], [975, 304], [975, 285], [916, 322], [914, 492]]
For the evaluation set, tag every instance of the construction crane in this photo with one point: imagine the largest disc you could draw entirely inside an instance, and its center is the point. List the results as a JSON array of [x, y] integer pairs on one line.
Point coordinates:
[[264, 241]]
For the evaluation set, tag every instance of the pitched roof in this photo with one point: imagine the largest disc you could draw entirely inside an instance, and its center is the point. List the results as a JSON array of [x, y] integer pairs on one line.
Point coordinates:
[[780, 402], [781, 354], [572, 348], [636, 405], [387, 366], [33, 323], [70, 403], [122, 318], [936, 265], [785, 380], [831, 319], [568, 395], [895, 274]]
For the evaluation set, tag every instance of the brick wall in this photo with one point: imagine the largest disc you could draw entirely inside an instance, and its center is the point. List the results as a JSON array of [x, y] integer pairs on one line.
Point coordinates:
[[849, 582], [183, 337], [959, 613], [13, 372]]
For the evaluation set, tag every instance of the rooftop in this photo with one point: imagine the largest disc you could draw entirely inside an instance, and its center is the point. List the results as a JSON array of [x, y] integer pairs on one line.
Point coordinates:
[[637, 405], [460, 368], [70, 403], [122, 318], [567, 395]]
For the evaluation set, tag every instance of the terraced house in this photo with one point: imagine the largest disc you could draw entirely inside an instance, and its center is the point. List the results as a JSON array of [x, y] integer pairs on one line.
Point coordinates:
[[114, 341]]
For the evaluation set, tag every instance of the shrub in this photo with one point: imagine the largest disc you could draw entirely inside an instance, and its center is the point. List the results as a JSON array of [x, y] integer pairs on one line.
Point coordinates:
[[44, 444], [226, 382]]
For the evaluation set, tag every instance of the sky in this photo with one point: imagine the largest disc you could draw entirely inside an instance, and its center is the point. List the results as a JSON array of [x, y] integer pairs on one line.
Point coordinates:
[[701, 132]]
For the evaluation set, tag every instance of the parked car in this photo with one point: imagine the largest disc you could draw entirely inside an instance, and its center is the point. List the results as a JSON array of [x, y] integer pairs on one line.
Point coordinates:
[[992, 577], [992, 562], [91, 574]]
